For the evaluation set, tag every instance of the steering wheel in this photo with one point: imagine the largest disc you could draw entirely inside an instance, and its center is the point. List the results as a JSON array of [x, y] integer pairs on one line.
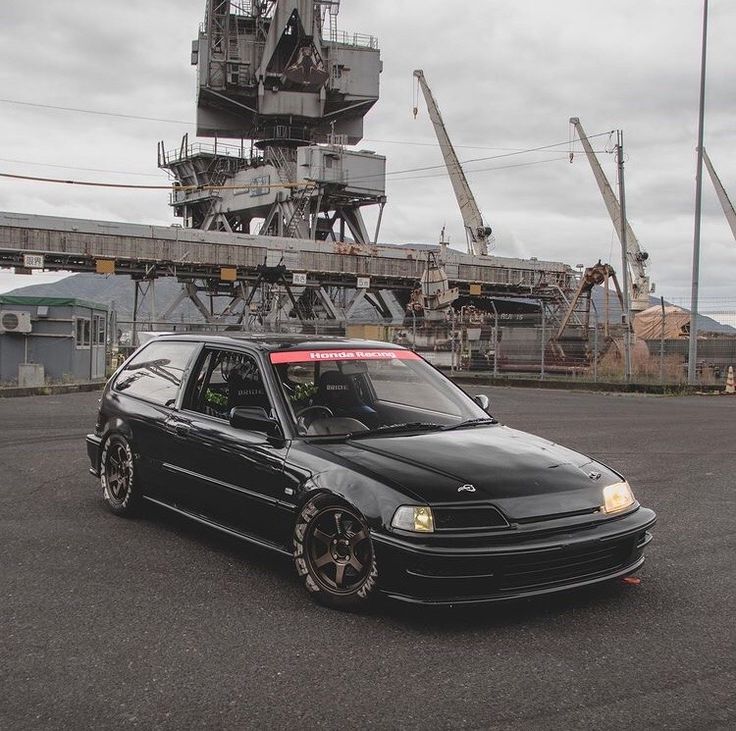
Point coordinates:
[[304, 422]]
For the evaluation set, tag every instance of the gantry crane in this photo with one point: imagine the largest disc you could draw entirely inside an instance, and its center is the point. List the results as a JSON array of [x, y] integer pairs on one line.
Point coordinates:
[[725, 201], [477, 233], [637, 258]]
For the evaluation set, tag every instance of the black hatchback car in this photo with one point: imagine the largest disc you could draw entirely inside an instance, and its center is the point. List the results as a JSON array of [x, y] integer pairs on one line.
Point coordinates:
[[365, 464]]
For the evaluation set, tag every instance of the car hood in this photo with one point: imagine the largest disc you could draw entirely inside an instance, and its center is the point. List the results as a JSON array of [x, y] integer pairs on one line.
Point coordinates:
[[525, 476]]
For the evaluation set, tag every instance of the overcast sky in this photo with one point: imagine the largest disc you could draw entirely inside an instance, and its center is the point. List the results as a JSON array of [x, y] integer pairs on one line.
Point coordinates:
[[506, 74]]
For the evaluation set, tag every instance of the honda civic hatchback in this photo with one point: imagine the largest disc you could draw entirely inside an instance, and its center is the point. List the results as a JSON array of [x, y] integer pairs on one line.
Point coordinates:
[[366, 465]]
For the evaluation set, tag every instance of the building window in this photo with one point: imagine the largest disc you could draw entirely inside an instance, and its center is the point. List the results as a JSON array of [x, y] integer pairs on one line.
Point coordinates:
[[82, 334]]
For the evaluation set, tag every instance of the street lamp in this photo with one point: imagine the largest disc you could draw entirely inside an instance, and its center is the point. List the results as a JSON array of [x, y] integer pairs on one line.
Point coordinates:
[[693, 344]]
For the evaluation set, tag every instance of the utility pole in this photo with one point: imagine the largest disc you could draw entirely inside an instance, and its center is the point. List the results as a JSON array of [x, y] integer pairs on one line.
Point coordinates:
[[624, 255], [692, 355]]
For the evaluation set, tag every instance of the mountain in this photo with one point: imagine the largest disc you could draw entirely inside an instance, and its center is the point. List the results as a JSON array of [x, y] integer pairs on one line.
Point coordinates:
[[705, 324]]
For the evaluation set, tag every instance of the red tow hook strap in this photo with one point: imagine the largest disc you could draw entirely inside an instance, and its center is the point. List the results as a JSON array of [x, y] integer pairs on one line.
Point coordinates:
[[631, 580]]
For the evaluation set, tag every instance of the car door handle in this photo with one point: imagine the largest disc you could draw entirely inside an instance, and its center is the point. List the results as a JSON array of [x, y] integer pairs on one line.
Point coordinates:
[[180, 427]]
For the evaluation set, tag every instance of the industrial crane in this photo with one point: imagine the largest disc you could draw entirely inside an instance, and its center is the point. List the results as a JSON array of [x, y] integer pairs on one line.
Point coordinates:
[[637, 259], [477, 233], [725, 201]]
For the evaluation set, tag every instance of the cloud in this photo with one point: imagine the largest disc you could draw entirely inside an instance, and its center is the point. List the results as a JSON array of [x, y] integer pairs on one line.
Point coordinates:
[[506, 74]]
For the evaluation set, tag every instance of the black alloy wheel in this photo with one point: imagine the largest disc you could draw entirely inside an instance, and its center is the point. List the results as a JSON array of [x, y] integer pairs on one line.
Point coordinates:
[[117, 475], [334, 554]]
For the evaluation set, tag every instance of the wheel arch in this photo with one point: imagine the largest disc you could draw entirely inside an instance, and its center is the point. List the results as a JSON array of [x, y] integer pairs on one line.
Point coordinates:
[[375, 501], [116, 425]]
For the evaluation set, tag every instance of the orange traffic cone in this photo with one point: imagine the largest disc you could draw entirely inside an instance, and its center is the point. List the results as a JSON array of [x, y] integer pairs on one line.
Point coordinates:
[[730, 387]]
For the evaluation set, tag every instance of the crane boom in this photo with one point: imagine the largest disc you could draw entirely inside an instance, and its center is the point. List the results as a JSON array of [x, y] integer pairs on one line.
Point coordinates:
[[725, 201], [639, 281], [477, 233]]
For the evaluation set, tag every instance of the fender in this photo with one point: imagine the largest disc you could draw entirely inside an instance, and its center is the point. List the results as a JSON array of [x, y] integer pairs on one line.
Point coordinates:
[[358, 491]]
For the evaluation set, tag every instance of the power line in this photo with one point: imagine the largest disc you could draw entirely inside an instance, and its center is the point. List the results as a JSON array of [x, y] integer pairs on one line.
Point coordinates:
[[154, 175], [492, 157], [93, 111], [88, 183], [97, 112], [485, 170], [72, 167], [132, 186], [539, 148], [468, 147]]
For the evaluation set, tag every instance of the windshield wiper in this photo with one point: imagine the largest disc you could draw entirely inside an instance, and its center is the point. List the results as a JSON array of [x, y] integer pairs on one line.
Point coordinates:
[[471, 422], [395, 429]]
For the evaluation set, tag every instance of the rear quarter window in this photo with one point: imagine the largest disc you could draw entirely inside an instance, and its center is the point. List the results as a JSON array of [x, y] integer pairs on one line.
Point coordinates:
[[155, 374]]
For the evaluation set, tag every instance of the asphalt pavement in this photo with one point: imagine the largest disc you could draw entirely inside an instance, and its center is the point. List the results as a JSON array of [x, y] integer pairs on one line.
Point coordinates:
[[157, 622]]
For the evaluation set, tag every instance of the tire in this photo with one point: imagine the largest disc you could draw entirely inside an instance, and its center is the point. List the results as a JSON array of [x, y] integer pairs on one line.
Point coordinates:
[[334, 555], [117, 476]]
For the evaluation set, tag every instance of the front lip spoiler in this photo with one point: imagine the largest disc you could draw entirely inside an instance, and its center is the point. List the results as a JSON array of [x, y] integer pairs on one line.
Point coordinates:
[[422, 573], [510, 596], [94, 443], [552, 542]]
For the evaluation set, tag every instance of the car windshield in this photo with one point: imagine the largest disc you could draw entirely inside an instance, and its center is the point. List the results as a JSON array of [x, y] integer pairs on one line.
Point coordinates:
[[364, 392]]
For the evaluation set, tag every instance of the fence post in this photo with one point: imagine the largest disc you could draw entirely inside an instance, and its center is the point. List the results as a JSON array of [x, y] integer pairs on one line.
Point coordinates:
[[452, 341], [495, 339], [661, 347], [495, 348], [595, 347], [541, 376]]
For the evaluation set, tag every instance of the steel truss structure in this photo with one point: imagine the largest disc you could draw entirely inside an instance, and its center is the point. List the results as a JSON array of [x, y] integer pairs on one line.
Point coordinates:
[[294, 281]]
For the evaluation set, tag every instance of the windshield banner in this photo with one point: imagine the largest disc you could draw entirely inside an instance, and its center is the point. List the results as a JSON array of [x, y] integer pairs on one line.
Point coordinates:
[[301, 356]]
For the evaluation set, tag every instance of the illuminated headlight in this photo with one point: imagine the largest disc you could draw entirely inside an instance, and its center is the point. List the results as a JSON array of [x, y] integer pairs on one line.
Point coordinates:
[[617, 497], [416, 518]]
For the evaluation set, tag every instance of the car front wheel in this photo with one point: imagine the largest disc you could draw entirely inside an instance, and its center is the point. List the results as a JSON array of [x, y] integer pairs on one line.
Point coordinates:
[[334, 555], [117, 475]]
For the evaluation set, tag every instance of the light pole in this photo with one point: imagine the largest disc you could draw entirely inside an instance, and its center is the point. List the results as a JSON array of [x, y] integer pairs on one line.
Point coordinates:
[[692, 356], [624, 256]]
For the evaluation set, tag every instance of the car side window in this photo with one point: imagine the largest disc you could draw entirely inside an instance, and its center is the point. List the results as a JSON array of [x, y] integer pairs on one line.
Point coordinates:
[[225, 380], [155, 373]]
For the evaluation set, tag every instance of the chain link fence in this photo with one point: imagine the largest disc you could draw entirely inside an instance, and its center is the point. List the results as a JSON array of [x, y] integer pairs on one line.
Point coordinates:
[[600, 357], [526, 344]]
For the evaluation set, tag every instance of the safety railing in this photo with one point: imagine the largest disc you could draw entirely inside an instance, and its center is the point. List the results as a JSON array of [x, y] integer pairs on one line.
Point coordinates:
[[204, 148], [360, 40]]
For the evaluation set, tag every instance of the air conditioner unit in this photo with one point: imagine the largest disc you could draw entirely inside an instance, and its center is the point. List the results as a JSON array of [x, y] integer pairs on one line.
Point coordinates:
[[15, 322]]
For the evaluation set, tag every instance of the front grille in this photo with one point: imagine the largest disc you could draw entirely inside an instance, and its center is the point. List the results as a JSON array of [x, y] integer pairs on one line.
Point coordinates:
[[564, 565], [468, 517]]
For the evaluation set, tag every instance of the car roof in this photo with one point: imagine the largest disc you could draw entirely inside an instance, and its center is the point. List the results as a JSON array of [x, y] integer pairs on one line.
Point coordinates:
[[281, 341]]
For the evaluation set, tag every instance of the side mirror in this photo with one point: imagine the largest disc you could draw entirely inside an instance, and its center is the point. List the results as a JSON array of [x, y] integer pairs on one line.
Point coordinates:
[[482, 401], [254, 418]]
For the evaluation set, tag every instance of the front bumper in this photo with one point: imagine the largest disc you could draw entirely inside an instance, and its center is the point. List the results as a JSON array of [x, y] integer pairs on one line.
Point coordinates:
[[94, 446], [423, 573]]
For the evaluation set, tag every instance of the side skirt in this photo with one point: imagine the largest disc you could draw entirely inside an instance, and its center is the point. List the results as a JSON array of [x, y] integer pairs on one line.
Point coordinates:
[[229, 531]]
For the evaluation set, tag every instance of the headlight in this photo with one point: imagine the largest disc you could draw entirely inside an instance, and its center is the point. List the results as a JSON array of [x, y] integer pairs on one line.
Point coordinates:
[[617, 497], [417, 518]]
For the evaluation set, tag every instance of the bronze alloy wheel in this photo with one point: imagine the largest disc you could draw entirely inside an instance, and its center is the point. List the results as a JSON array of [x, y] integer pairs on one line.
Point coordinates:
[[339, 549], [334, 554], [118, 471], [117, 475]]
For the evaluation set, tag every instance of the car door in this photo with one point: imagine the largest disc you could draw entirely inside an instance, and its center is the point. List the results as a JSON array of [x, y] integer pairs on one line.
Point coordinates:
[[233, 477], [141, 399]]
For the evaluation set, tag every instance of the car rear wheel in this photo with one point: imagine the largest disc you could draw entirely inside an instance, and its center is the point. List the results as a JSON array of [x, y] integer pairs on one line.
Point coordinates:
[[334, 555], [117, 475]]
